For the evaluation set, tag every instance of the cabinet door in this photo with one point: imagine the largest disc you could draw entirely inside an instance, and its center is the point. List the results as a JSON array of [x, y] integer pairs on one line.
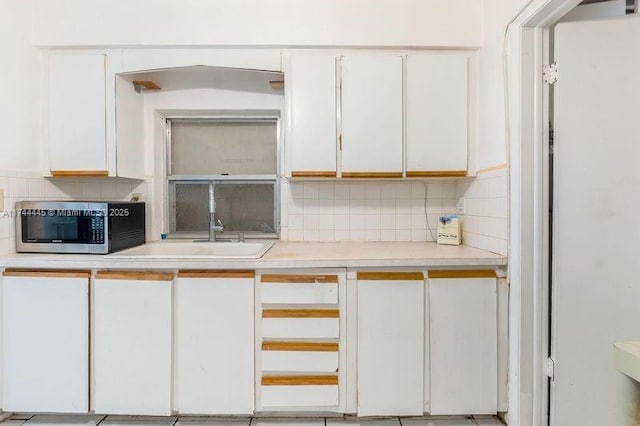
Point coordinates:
[[215, 342], [311, 92], [436, 115], [45, 342], [464, 342], [372, 116], [132, 343], [77, 114], [390, 343]]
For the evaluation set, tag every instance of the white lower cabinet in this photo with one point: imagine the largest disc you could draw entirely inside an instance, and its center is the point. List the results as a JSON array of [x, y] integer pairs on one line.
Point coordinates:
[[464, 342], [132, 342], [45, 341], [390, 343], [300, 344], [214, 366]]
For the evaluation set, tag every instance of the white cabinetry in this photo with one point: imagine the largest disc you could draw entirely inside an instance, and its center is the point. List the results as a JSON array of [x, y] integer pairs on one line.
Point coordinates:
[[45, 341], [77, 114], [464, 342], [372, 115], [214, 342], [311, 99], [300, 349], [82, 115], [436, 114], [390, 343], [132, 343]]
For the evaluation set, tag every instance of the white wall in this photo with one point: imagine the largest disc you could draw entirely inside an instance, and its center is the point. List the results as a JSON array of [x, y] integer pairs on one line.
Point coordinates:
[[19, 88], [492, 146], [259, 22]]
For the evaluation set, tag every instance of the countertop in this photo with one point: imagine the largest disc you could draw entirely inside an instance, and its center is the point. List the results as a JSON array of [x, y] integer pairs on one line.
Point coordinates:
[[284, 254]]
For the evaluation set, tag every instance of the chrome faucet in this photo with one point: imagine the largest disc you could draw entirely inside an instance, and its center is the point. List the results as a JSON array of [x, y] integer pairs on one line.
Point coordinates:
[[213, 228]]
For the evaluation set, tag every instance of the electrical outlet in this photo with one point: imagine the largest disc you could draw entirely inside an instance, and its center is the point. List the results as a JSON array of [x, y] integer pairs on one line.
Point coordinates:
[[460, 205]]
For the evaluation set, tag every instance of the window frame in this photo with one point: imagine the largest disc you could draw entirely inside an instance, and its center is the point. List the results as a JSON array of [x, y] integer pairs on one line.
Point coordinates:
[[169, 179]]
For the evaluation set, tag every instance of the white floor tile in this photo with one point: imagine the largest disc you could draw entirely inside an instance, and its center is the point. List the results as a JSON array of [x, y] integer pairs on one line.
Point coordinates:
[[20, 416], [139, 421], [488, 421], [212, 421], [288, 422], [63, 420], [12, 422], [438, 421], [364, 422]]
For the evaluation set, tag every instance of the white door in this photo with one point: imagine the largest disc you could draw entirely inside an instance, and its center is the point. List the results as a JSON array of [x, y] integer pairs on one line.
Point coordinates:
[[132, 343], [390, 343], [372, 119], [45, 341], [595, 281], [311, 108], [214, 342], [437, 115], [77, 114]]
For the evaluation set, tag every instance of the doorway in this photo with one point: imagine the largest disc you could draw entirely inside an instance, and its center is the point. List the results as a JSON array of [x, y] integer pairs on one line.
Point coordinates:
[[527, 50]]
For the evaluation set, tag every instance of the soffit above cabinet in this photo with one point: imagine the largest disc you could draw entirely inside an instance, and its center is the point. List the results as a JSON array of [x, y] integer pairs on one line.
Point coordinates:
[[205, 77]]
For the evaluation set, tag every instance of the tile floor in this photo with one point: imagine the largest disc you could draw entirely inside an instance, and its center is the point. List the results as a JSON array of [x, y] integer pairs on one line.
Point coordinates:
[[61, 420]]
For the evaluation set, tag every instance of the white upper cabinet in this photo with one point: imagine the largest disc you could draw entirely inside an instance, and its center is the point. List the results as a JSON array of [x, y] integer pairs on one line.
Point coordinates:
[[77, 114], [436, 115], [311, 95], [372, 120], [95, 117]]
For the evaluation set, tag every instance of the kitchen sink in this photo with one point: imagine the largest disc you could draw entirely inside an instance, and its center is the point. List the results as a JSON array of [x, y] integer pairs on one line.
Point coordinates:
[[172, 249]]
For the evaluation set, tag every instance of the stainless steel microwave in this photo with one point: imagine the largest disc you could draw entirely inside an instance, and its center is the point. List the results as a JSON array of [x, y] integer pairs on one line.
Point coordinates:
[[78, 226]]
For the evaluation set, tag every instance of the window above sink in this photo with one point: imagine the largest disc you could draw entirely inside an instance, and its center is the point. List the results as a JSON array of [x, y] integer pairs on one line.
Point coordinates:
[[233, 157]]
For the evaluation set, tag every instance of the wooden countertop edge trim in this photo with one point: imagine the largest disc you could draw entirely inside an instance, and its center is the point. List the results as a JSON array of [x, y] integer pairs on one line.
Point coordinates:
[[371, 175], [135, 276], [298, 279], [301, 313], [478, 273], [436, 173], [203, 273], [268, 345], [390, 276], [306, 380], [46, 273], [313, 174], [79, 173]]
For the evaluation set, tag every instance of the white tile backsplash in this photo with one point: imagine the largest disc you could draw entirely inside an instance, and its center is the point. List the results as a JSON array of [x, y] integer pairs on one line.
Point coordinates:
[[319, 211], [485, 223]]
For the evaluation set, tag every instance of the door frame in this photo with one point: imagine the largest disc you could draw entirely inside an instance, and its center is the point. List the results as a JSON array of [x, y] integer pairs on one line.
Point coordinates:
[[526, 50]]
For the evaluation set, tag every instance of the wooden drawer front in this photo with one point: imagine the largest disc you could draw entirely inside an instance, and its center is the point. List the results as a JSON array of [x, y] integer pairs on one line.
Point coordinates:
[[299, 293], [312, 328], [300, 396], [296, 361]]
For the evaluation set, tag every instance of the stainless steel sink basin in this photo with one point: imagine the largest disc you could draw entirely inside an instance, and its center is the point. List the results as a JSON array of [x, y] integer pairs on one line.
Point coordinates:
[[172, 249]]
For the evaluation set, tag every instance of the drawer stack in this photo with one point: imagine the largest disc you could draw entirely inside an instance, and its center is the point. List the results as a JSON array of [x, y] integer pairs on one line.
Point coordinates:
[[300, 340]]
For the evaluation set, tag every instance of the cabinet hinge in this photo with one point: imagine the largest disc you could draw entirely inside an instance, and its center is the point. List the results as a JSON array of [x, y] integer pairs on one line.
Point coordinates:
[[550, 73], [551, 368]]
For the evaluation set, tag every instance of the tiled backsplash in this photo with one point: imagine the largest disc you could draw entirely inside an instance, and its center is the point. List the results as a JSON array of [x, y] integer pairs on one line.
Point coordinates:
[[19, 186], [364, 211], [485, 223], [319, 211]]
